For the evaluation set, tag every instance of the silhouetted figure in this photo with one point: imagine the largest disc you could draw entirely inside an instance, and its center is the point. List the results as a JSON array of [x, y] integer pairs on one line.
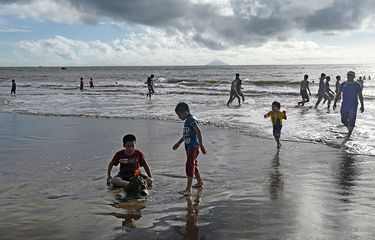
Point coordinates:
[[303, 90], [91, 83], [13, 89], [81, 84], [150, 85]]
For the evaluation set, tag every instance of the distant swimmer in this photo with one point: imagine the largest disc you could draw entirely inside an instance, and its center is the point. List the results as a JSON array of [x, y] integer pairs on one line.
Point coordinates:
[[322, 91], [239, 87], [337, 89], [351, 91], [277, 121], [364, 78], [369, 77], [91, 83], [234, 93], [150, 85], [81, 84], [13, 89], [303, 90], [329, 92]]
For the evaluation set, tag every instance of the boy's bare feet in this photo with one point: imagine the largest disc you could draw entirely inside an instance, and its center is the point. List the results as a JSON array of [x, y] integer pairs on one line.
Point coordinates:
[[198, 185], [185, 193]]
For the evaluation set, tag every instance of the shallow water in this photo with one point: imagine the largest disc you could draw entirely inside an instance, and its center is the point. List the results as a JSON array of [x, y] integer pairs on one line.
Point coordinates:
[[52, 91], [52, 185]]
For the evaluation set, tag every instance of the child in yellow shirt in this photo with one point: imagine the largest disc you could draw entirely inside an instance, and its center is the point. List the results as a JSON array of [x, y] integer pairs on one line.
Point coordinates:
[[277, 119]]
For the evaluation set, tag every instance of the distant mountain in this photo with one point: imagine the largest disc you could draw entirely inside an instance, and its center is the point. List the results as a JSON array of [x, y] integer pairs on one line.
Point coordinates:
[[216, 62]]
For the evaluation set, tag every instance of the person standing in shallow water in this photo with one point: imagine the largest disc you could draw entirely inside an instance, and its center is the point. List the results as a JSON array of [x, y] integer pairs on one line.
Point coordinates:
[[81, 84], [351, 91], [91, 83], [303, 90], [277, 118], [233, 91], [239, 87], [337, 89], [14, 86], [150, 85]]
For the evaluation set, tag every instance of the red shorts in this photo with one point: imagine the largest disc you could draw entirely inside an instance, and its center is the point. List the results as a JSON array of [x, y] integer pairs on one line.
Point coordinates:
[[192, 161]]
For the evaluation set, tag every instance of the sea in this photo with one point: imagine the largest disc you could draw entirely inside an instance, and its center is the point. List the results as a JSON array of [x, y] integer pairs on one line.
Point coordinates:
[[120, 92]]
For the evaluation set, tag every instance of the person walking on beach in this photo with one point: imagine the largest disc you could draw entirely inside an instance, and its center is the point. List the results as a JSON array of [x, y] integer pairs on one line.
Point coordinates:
[[14, 86], [192, 136], [337, 88], [150, 85], [303, 90], [239, 87], [360, 81], [322, 91], [276, 119], [233, 92], [81, 84], [130, 160], [91, 83], [329, 92], [351, 91]]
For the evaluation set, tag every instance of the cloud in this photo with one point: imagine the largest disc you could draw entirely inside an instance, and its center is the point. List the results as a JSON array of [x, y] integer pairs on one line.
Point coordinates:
[[215, 25], [158, 48]]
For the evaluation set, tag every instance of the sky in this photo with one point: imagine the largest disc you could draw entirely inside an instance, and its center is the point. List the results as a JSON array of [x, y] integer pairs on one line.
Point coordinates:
[[186, 32]]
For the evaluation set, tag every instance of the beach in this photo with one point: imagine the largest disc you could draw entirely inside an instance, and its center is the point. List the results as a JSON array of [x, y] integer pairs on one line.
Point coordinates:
[[53, 184]]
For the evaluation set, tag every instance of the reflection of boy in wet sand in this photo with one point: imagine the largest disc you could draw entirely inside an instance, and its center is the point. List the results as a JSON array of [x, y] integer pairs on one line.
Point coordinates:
[[192, 137], [235, 86], [351, 91], [192, 226], [276, 118], [303, 90], [132, 212]]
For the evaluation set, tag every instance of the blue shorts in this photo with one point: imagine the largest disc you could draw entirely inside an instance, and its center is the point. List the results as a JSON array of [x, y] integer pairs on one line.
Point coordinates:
[[127, 176], [348, 117], [277, 130]]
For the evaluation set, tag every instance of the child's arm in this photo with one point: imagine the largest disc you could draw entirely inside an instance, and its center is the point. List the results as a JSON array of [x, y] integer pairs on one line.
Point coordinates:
[[284, 115], [109, 171], [178, 143], [266, 115], [199, 135], [147, 169]]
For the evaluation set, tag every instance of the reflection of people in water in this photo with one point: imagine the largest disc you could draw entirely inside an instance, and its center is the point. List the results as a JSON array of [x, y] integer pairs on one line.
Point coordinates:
[[192, 226], [276, 181], [129, 211], [347, 175]]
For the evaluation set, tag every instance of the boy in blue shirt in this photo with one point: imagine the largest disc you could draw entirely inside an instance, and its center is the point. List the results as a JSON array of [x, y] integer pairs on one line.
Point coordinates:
[[351, 91], [192, 137]]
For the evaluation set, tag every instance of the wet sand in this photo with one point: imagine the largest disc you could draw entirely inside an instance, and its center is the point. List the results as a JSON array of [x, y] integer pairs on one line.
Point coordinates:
[[53, 185]]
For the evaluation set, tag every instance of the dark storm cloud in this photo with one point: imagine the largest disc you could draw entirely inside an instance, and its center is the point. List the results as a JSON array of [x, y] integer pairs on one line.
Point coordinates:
[[342, 15], [253, 22]]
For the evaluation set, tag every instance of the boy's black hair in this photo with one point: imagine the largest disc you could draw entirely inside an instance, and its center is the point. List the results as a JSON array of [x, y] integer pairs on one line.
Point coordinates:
[[306, 76], [152, 75], [237, 74], [128, 138], [338, 76], [277, 104], [323, 74], [182, 107]]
